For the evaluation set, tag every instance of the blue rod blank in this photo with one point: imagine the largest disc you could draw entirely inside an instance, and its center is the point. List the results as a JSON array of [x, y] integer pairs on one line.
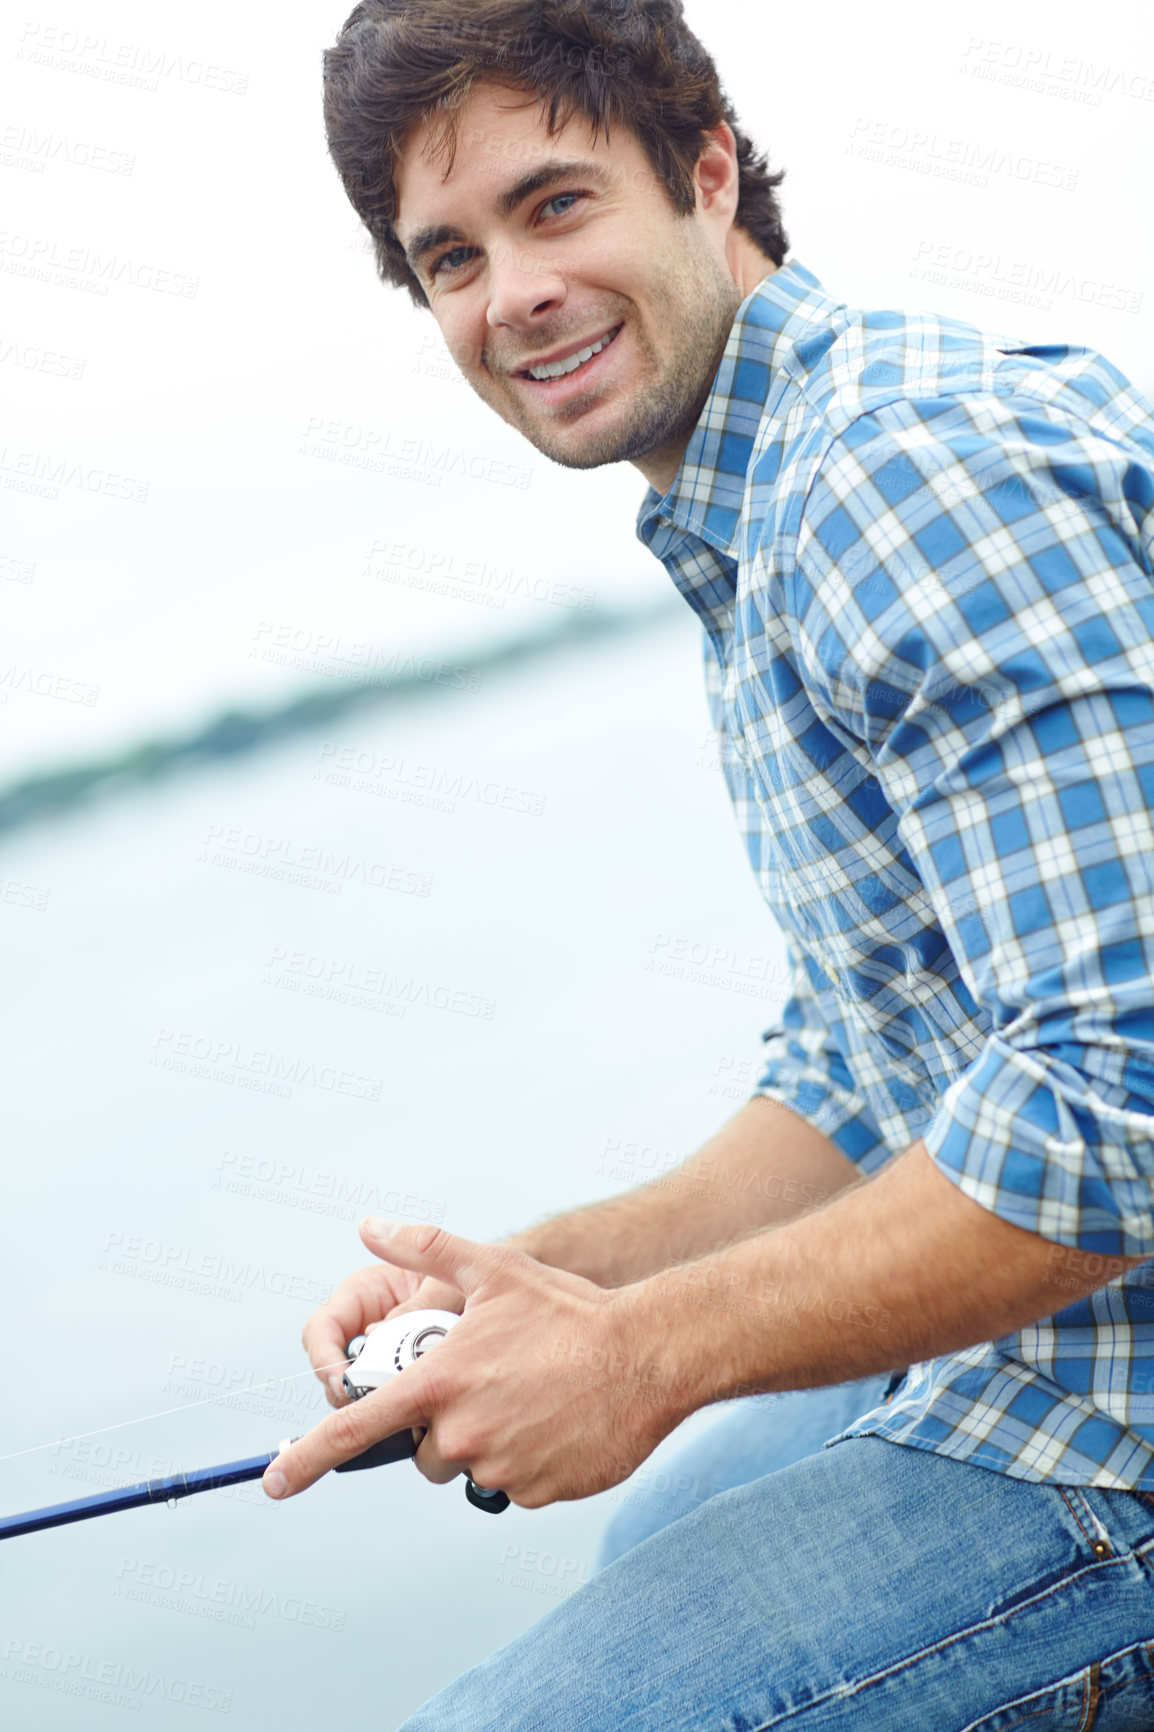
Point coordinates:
[[176, 1485]]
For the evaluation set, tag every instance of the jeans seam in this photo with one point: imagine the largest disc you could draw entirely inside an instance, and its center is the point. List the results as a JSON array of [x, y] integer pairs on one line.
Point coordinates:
[[1105, 1544], [1091, 1697], [938, 1647], [1076, 1517]]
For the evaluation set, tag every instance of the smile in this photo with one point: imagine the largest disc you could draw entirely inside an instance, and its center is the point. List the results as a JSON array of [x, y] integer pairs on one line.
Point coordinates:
[[571, 363]]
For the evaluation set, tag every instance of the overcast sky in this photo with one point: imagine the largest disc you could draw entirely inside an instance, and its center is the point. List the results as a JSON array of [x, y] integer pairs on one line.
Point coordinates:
[[196, 355]]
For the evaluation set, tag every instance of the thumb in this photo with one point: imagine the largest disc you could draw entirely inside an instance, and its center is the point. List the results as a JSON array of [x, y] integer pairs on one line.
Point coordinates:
[[463, 1263]]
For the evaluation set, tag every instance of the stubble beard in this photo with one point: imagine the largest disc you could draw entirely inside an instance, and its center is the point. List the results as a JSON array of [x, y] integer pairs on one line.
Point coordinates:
[[700, 307]]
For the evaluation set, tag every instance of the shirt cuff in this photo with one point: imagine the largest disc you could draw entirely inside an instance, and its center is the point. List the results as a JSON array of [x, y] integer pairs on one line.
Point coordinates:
[[1034, 1139], [802, 1080]]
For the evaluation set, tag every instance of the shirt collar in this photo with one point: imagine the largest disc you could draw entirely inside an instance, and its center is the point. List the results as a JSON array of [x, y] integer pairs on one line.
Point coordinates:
[[781, 330]]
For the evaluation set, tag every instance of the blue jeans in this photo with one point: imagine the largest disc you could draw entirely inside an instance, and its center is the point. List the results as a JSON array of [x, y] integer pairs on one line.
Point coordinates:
[[869, 1586]]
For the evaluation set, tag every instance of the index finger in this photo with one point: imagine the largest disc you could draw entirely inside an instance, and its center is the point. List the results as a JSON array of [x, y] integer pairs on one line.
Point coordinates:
[[396, 1406]]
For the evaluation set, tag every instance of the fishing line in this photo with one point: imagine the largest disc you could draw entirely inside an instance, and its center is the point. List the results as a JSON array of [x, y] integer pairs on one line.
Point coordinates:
[[369, 1365], [165, 1412]]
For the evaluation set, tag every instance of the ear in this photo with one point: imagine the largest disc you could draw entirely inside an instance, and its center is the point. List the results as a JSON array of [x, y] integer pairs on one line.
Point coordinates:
[[716, 175]]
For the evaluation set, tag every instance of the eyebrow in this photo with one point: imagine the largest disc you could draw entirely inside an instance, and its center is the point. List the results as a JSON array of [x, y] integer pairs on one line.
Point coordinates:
[[425, 240]]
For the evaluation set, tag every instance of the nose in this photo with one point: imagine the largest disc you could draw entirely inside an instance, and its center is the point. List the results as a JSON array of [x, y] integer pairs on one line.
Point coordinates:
[[524, 290]]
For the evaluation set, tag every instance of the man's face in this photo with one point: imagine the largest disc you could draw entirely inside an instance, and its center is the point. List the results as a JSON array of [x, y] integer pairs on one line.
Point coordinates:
[[535, 250]]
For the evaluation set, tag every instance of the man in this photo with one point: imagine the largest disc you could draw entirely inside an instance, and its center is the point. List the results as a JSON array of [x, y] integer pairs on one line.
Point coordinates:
[[922, 559]]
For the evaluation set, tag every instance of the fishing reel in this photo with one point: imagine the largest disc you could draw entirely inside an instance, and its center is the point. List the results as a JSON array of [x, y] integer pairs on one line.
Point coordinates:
[[376, 1358], [373, 1359]]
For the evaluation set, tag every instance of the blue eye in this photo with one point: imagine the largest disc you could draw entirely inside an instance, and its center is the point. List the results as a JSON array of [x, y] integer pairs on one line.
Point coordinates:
[[560, 205], [562, 198], [461, 254]]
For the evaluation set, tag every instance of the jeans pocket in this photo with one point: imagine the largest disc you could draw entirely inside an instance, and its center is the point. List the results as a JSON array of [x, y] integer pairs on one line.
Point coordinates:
[[1112, 1695], [1070, 1705]]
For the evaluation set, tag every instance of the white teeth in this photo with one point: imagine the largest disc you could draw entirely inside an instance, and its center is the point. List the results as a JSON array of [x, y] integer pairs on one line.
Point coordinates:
[[558, 369]]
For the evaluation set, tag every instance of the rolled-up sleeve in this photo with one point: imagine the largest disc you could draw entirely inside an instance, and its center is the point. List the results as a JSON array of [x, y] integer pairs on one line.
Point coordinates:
[[976, 611]]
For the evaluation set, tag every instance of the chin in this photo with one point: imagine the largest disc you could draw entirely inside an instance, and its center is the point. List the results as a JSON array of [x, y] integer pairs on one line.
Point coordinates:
[[591, 453], [577, 445]]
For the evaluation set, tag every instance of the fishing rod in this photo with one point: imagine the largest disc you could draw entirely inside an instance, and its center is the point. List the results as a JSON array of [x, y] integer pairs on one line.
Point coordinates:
[[374, 1360]]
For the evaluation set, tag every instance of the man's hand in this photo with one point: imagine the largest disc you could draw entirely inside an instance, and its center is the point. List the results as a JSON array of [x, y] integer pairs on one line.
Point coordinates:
[[364, 1299], [544, 1389]]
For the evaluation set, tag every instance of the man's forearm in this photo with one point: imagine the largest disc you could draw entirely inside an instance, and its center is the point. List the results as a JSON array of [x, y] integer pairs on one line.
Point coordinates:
[[899, 1269], [765, 1166]]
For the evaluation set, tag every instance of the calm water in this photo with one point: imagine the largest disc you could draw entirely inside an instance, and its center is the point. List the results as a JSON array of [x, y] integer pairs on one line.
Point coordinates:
[[530, 870]]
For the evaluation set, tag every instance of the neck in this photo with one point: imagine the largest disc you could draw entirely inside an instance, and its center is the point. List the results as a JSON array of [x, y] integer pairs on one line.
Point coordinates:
[[748, 266]]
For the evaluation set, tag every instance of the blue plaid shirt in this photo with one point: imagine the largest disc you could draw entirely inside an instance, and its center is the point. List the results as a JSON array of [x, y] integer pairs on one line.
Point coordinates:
[[922, 555]]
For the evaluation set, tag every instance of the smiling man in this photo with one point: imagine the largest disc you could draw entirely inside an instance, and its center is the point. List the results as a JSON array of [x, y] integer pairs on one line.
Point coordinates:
[[575, 299], [921, 557]]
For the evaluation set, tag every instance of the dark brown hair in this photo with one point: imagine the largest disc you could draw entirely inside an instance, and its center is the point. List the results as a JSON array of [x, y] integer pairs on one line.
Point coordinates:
[[631, 63]]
